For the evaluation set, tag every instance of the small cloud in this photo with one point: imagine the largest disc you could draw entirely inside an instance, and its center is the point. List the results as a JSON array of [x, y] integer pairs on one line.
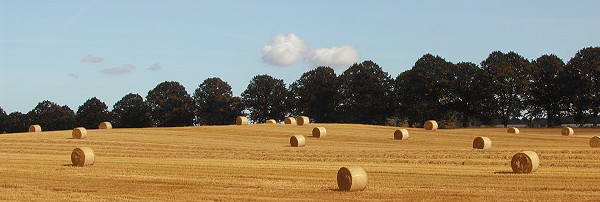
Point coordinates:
[[335, 57], [92, 59], [118, 70], [154, 67], [73, 76], [284, 50]]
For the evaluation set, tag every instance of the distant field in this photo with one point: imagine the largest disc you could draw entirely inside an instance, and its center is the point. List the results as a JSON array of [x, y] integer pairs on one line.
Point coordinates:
[[256, 163]]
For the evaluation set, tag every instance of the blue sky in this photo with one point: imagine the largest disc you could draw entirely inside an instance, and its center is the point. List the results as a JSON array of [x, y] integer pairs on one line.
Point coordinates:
[[70, 51]]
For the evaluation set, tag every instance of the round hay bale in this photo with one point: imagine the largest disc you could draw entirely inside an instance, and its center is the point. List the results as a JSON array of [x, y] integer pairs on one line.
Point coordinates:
[[513, 130], [303, 120], [595, 142], [482, 143], [401, 134], [105, 125], [431, 125], [297, 141], [351, 178], [83, 156], [319, 132], [290, 120], [79, 133], [567, 131], [241, 120], [525, 162], [35, 128], [271, 121]]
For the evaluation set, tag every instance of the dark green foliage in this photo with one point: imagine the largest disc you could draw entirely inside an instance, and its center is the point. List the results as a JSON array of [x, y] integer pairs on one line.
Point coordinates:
[[17, 122], [584, 85], [365, 94], [3, 119], [266, 98], [216, 103], [547, 94], [314, 95], [170, 105], [50, 116], [92, 113], [131, 112]]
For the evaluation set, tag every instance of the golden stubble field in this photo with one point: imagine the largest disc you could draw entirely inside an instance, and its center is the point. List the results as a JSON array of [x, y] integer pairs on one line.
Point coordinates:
[[256, 163]]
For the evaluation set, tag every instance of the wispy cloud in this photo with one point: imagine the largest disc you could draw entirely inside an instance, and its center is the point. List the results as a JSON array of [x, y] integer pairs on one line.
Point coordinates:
[[155, 67], [73, 76], [284, 50], [92, 59], [335, 57], [118, 70]]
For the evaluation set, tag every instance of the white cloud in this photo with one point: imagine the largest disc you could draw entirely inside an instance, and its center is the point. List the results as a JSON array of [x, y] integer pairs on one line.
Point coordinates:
[[335, 57], [118, 70], [154, 67], [92, 59], [73, 76], [284, 50]]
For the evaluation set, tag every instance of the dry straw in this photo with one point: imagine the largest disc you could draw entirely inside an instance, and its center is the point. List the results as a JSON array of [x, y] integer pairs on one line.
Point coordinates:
[[105, 125], [595, 142], [525, 162], [513, 130], [303, 120], [431, 125], [35, 128], [241, 120], [289, 120], [83, 156], [271, 121], [79, 133], [297, 141], [319, 132], [351, 178], [482, 143], [401, 134], [567, 131]]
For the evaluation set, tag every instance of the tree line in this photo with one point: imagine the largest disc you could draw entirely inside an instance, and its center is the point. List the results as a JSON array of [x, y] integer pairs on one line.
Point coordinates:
[[505, 88]]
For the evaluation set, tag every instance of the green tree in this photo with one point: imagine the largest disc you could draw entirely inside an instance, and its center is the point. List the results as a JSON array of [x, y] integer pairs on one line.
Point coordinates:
[[92, 113], [3, 119], [505, 78], [547, 93], [131, 112], [216, 103], [315, 93], [584, 69], [17, 122], [467, 93], [50, 116], [266, 98], [170, 105], [365, 94]]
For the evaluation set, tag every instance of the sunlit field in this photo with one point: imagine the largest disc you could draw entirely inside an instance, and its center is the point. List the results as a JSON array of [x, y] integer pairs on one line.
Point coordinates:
[[256, 163]]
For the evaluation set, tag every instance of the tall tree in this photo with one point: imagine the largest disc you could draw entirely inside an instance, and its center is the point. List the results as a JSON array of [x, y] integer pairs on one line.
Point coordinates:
[[315, 93], [92, 113], [171, 105], [266, 98], [216, 103], [3, 119], [51, 116], [467, 94], [131, 112], [584, 68], [505, 77], [365, 92], [547, 89], [17, 122]]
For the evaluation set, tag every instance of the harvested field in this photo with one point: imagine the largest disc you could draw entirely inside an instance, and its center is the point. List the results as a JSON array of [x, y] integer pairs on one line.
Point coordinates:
[[256, 163]]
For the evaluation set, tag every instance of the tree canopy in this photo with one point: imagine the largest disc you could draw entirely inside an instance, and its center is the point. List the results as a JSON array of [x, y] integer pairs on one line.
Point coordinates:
[[91, 113], [131, 112], [170, 105], [315, 95], [266, 98], [215, 103]]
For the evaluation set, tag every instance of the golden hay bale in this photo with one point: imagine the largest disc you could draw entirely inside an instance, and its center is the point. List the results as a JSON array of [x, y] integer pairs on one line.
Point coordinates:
[[303, 120], [35, 128], [290, 120], [525, 162], [351, 178], [567, 131], [79, 133], [482, 143], [401, 134], [595, 142], [83, 156], [271, 121], [513, 130], [241, 120], [105, 125], [319, 132], [431, 125], [297, 141]]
